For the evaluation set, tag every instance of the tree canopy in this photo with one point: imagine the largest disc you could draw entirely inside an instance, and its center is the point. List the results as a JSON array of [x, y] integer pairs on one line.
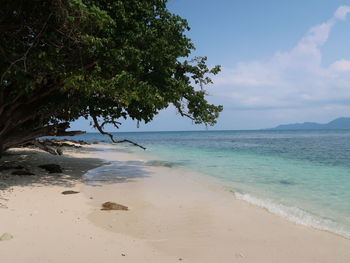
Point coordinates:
[[106, 59]]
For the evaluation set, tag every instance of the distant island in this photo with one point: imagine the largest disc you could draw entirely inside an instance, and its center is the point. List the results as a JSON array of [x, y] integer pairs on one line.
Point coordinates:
[[337, 124]]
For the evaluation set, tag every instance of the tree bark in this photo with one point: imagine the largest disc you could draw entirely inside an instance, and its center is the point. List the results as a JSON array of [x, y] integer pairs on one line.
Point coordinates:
[[19, 137]]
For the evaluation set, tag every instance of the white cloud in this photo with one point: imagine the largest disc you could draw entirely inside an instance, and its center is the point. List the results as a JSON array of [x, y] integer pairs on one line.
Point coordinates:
[[342, 65], [342, 12], [295, 78]]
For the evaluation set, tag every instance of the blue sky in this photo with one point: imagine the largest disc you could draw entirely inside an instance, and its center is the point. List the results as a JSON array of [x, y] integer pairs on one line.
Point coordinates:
[[282, 62]]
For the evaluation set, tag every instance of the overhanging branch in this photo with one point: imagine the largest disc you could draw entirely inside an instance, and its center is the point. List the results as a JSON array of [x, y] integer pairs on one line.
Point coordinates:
[[24, 57], [184, 114], [100, 129]]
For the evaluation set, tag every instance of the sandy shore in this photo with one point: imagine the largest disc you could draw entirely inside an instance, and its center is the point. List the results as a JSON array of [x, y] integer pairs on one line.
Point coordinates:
[[173, 217]]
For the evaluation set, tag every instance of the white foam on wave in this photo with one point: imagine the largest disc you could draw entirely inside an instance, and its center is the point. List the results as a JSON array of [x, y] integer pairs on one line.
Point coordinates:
[[295, 215]]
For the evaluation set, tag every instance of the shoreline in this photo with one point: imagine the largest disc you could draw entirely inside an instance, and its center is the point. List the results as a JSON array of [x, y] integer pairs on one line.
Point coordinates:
[[292, 214], [172, 217]]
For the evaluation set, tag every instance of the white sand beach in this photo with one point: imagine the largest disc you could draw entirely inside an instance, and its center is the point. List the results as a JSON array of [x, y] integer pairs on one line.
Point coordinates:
[[172, 217]]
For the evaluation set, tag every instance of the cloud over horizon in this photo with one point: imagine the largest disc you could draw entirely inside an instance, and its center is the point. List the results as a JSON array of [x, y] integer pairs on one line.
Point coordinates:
[[290, 79]]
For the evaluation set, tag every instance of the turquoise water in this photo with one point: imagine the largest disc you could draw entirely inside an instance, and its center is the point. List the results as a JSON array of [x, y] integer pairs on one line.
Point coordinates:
[[300, 175]]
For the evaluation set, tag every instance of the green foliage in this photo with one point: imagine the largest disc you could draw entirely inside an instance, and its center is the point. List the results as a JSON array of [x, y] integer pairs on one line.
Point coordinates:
[[108, 58]]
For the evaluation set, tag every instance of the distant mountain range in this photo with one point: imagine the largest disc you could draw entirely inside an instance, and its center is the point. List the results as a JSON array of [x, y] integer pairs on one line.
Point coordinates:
[[337, 124]]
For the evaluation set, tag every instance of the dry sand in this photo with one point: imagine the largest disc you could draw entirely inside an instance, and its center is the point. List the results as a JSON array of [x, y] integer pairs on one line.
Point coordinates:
[[173, 217]]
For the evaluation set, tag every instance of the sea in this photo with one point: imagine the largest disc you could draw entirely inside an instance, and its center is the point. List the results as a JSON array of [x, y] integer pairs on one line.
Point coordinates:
[[303, 176]]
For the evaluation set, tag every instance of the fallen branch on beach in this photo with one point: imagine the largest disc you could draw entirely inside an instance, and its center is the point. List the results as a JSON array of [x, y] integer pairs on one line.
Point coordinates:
[[54, 146], [46, 148]]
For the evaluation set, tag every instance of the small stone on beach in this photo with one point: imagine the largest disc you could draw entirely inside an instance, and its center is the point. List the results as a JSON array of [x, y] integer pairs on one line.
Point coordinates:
[[6, 236], [69, 192], [239, 255], [51, 168], [113, 206], [21, 172], [9, 167]]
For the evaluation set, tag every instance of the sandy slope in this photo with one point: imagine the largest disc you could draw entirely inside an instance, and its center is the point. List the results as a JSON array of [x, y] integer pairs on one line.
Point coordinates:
[[173, 217]]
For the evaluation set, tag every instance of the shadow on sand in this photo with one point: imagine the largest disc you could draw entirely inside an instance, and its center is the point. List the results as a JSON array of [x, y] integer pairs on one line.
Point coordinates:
[[93, 171], [73, 169]]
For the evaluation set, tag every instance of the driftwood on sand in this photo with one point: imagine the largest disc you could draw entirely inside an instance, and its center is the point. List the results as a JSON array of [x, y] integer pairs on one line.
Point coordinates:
[[54, 146]]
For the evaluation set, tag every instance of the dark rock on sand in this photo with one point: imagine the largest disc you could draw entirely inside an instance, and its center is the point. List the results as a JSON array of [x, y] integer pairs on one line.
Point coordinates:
[[69, 192], [113, 206], [51, 168], [9, 167], [22, 172]]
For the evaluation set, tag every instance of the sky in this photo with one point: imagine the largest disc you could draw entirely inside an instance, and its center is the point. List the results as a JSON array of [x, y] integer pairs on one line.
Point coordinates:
[[282, 62]]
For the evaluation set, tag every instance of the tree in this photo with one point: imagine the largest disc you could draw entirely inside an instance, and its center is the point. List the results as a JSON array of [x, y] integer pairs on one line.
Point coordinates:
[[106, 59]]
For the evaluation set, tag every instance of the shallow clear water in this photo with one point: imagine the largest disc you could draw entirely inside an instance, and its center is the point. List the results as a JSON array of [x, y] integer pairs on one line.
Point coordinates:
[[301, 175]]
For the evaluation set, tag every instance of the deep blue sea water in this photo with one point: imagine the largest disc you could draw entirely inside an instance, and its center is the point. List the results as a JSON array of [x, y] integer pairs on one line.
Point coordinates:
[[300, 175]]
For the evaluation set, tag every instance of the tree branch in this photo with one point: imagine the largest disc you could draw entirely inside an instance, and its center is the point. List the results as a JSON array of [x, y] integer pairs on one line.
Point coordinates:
[[115, 123], [19, 138], [184, 114], [100, 129], [29, 109], [24, 57], [46, 148]]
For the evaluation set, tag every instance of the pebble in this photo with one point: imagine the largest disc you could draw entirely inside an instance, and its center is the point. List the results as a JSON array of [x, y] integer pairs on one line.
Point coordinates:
[[6, 236], [239, 255]]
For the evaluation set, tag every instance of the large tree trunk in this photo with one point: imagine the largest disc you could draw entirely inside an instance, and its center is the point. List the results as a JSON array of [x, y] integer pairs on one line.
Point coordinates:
[[15, 137], [26, 118], [23, 120]]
